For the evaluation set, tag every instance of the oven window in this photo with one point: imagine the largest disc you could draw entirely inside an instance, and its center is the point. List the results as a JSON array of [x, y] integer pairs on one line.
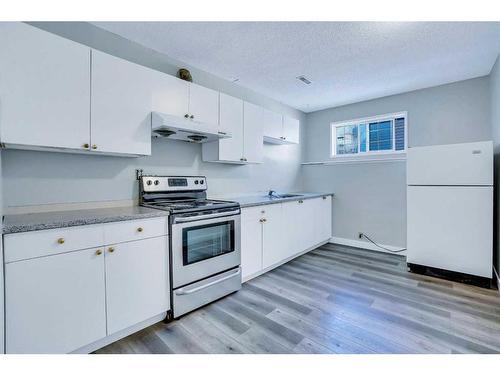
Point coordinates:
[[207, 241]]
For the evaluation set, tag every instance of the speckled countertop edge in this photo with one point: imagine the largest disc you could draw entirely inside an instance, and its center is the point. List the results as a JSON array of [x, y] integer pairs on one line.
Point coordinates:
[[64, 219], [261, 200]]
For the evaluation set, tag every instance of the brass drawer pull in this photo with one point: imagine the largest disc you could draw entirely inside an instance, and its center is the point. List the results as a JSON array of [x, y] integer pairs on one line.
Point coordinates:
[[60, 241], [111, 250], [98, 252], [140, 229], [86, 145], [301, 201], [94, 147]]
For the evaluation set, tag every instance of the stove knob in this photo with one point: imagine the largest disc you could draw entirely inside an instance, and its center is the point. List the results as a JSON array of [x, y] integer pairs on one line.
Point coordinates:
[[196, 182], [149, 182], [157, 182], [201, 182]]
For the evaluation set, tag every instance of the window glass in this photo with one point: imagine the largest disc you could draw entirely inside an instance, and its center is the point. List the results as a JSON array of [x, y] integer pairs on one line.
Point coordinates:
[[380, 135], [347, 139], [362, 138]]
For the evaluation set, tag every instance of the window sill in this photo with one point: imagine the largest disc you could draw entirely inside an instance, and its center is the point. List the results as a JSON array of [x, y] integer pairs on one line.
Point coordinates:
[[391, 158]]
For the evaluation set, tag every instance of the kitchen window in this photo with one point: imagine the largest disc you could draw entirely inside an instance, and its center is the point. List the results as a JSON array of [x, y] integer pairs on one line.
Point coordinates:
[[370, 137]]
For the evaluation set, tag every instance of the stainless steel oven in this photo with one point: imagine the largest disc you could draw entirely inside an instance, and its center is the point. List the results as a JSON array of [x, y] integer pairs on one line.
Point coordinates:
[[206, 256], [205, 240], [203, 245]]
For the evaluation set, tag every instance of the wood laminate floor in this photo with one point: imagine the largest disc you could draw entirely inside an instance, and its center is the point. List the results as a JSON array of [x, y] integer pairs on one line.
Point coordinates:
[[334, 299]]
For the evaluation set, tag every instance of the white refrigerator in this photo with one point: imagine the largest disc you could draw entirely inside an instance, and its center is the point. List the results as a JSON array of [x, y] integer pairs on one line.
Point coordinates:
[[450, 207]]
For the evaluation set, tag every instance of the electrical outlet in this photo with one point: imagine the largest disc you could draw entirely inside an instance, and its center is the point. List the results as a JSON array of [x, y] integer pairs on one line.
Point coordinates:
[[360, 235]]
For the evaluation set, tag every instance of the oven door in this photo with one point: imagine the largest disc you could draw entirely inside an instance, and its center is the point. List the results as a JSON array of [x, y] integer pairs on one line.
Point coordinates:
[[202, 247]]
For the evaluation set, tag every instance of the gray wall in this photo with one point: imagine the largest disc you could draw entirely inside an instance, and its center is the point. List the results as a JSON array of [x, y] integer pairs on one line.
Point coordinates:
[[371, 198], [35, 178], [495, 127]]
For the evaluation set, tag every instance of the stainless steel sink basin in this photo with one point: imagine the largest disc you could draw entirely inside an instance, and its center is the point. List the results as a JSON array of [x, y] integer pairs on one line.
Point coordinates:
[[281, 196]]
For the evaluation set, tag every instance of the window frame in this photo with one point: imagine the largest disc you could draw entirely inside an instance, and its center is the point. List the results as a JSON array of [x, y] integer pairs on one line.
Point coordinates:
[[366, 120]]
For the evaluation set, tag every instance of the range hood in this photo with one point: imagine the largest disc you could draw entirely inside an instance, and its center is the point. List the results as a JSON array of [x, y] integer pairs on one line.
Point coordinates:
[[173, 127]]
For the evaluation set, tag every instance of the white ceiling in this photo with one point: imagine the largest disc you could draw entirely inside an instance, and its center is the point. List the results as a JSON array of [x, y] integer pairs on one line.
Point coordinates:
[[346, 61]]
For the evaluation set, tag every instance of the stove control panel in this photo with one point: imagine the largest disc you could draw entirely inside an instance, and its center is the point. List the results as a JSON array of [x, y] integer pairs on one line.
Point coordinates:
[[172, 183]]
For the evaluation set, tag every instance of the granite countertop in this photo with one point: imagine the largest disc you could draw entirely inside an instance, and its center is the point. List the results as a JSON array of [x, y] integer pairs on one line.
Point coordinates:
[[263, 199], [62, 219]]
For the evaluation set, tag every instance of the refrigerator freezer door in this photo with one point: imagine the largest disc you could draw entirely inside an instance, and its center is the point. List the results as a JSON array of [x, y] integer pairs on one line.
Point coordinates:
[[450, 227], [457, 164]]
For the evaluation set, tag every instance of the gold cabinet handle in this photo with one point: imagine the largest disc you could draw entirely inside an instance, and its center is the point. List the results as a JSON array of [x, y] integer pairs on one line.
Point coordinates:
[[186, 115], [86, 145], [265, 220], [301, 201], [191, 117], [98, 252], [94, 147], [111, 250], [140, 229], [261, 220], [60, 241]]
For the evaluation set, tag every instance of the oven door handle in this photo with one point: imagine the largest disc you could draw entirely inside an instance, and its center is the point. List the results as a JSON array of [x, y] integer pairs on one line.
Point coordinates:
[[203, 217], [183, 291]]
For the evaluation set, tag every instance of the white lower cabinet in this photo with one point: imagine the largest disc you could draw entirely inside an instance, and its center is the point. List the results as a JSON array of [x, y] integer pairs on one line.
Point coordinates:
[[271, 234], [55, 304], [323, 224], [137, 282], [65, 301], [251, 241], [273, 246]]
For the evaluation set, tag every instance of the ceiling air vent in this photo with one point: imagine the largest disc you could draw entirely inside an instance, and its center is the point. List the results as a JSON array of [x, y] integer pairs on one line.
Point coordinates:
[[304, 80]]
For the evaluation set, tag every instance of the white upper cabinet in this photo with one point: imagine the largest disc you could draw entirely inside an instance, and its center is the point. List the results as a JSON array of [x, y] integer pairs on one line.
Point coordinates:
[[170, 95], [244, 121], [230, 120], [273, 125], [279, 129], [252, 133], [203, 104], [44, 89], [121, 106], [291, 130]]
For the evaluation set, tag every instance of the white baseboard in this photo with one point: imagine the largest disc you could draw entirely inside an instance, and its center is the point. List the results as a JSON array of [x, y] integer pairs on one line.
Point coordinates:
[[365, 245]]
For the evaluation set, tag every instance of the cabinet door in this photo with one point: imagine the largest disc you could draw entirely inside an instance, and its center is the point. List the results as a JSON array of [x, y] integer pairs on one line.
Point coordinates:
[[203, 104], [273, 125], [292, 226], [137, 282], [299, 224], [170, 95], [251, 241], [323, 217], [121, 105], [44, 90], [55, 304], [252, 133], [291, 130], [273, 249], [231, 120]]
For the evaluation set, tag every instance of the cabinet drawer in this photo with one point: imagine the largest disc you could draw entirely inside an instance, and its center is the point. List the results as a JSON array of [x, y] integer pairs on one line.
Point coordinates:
[[19, 246], [135, 230]]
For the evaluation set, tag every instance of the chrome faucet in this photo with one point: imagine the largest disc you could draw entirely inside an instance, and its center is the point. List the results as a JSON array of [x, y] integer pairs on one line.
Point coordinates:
[[273, 194]]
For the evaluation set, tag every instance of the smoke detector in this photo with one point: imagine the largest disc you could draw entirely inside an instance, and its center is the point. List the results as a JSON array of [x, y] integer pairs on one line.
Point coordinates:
[[304, 80]]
